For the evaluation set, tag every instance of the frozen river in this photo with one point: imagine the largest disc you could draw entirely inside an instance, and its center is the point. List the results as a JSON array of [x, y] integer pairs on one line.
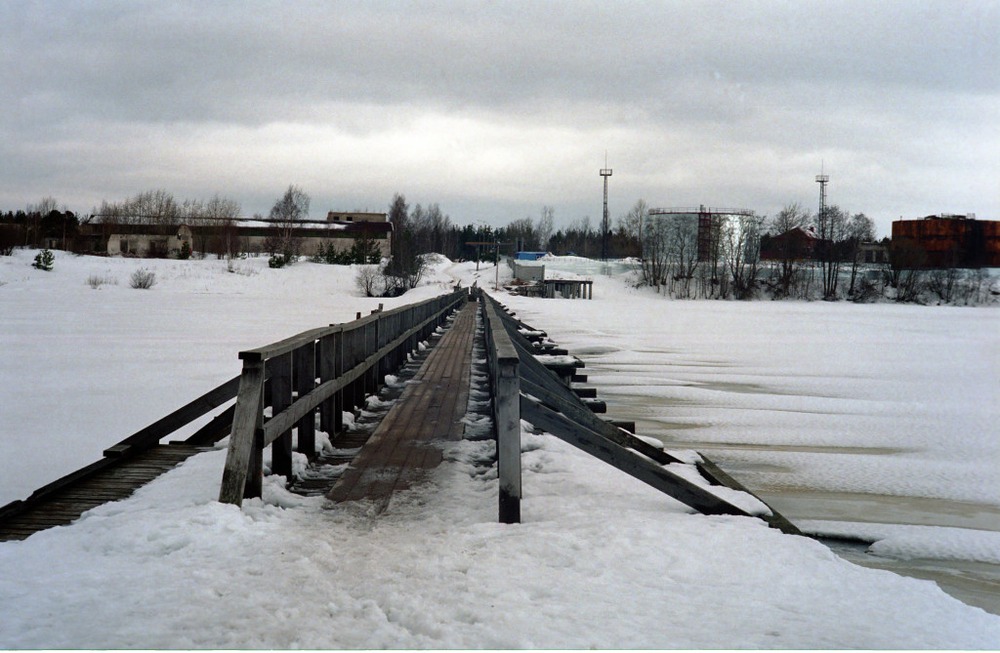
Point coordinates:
[[873, 423]]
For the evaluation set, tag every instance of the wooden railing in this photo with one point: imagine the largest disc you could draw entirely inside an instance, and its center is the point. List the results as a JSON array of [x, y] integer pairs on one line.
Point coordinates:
[[321, 370], [141, 441], [505, 384], [543, 395]]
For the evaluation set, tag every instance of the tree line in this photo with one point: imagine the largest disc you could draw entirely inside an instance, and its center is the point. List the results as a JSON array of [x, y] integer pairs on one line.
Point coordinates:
[[669, 253]]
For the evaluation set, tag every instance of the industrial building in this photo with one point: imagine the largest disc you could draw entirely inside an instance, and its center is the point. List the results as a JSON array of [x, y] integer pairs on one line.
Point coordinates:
[[702, 230], [951, 241], [340, 231]]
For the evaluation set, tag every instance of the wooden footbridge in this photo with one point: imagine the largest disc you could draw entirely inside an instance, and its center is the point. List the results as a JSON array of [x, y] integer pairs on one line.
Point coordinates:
[[289, 389]]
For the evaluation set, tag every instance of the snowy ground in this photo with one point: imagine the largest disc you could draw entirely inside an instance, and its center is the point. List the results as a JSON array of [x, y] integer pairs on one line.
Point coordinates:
[[600, 560]]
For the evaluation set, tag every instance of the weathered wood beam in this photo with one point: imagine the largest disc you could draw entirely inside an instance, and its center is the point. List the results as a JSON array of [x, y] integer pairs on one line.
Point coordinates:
[[304, 370], [161, 428], [504, 362], [242, 439], [581, 415], [626, 460], [281, 398]]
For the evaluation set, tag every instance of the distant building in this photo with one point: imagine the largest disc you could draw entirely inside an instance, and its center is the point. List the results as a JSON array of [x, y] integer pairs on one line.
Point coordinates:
[[948, 240], [339, 216], [340, 230], [873, 253], [148, 241], [796, 244]]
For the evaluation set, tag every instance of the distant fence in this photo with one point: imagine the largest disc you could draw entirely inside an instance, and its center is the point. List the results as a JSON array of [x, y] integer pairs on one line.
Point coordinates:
[[322, 370]]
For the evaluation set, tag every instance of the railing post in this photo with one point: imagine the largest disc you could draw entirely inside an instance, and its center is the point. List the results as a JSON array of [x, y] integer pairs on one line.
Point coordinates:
[[371, 345], [505, 377], [304, 367], [281, 398], [247, 422], [508, 417], [338, 397], [381, 339], [254, 486], [327, 372], [353, 344]]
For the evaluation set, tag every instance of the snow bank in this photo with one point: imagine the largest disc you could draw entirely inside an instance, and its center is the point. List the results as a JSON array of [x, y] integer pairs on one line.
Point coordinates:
[[171, 568]]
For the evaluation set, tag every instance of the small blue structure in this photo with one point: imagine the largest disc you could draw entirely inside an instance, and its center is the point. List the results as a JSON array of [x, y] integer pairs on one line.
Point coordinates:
[[529, 256]]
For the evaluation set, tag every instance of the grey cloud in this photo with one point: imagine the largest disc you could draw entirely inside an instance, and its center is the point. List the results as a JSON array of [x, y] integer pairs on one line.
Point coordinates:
[[871, 85]]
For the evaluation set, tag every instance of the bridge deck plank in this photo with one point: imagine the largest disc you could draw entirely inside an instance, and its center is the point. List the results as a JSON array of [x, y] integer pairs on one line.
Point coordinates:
[[407, 443], [66, 504]]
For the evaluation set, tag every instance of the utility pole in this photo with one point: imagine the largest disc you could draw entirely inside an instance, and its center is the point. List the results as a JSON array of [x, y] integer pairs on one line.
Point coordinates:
[[496, 257]]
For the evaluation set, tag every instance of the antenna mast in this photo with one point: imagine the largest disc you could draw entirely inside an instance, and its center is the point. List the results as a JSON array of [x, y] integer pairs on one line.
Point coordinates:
[[605, 221]]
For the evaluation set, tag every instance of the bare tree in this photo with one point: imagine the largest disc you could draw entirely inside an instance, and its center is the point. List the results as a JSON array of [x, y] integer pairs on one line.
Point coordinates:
[[419, 226], [222, 213], [546, 224], [522, 234], [683, 255], [437, 223], [399, 217], [156, 207], [47, 205], [632, 223], [656, 248], [831, 228], [288, 211], [152, 207], [369, 278], [740, 238], [907, 259], [33, 219], [860, 230], [788, 252]]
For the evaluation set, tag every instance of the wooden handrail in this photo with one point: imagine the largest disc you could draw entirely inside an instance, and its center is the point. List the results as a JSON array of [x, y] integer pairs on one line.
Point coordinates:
[[287, 418], [183, 416], [505, 379], [349, 359], [549, 403]]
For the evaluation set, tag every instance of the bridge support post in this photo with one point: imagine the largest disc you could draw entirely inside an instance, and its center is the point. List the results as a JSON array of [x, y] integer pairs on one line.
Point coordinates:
[[338, 397], [327, 372], [281, 398], [505, 379], [304, 368], [242, 465], [508, 419]]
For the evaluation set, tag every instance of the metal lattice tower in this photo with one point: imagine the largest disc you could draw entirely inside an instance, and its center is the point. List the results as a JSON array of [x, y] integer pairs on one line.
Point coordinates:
[[822, 180], [605, 221]]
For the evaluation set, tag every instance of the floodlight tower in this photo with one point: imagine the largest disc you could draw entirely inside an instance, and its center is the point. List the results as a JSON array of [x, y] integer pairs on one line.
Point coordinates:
[[605, 221], [822, 180]]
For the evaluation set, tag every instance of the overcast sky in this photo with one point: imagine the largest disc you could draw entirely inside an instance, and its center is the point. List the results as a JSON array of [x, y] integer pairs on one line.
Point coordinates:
[[495, 109]]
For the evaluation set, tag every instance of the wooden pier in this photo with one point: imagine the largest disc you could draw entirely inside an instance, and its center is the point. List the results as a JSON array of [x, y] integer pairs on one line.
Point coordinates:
[[305, 381], [429, 412], [322, 371]]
